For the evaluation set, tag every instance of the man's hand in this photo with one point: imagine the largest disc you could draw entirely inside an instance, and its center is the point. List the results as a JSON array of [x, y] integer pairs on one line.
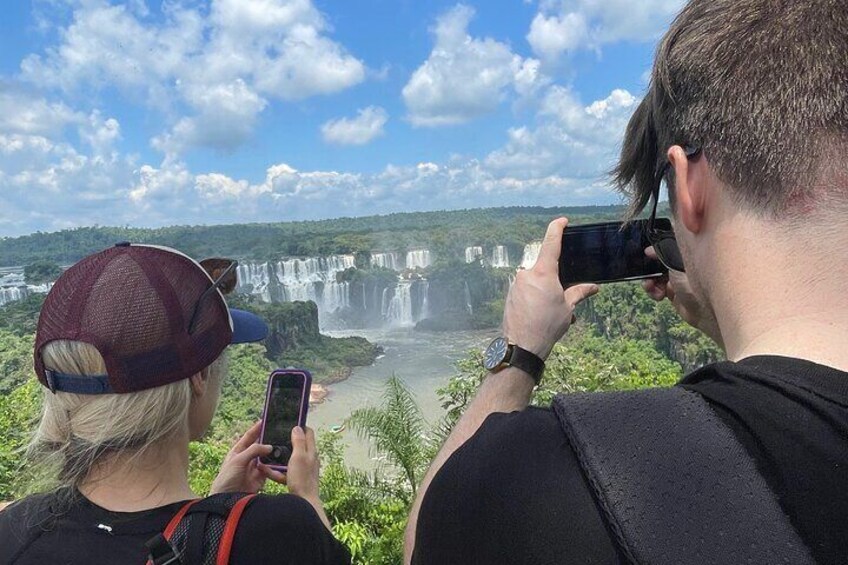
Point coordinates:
[[240, 471], [676, 288], [538, 312]]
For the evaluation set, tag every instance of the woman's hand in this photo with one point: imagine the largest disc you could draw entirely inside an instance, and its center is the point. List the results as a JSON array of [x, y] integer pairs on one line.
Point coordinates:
[[241, 471], [538, 311], [303, 468], [676, 288]]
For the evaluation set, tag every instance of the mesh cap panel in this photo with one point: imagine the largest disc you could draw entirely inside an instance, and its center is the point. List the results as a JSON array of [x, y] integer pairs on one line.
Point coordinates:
[[134, 304]]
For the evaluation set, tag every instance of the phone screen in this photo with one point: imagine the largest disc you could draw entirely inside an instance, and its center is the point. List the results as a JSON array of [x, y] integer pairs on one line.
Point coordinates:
[[285, 408], [601, 253]]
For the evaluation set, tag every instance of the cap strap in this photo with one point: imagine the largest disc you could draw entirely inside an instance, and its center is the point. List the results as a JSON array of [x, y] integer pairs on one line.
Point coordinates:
[[79, 384]]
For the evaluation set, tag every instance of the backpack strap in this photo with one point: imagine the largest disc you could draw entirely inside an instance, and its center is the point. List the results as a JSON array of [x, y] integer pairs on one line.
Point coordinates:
[[673, 483], [161, 551], [202, 531], [226, 545]]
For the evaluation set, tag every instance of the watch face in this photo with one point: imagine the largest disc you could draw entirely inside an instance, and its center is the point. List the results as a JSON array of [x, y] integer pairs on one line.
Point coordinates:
[[495, 353]]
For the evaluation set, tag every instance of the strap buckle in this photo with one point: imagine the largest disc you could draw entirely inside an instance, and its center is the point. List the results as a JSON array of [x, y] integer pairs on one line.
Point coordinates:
[[162, 552]]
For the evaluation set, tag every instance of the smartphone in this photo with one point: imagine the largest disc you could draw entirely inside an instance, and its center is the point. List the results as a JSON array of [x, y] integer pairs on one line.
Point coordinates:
[[608, 252], [286, 404]]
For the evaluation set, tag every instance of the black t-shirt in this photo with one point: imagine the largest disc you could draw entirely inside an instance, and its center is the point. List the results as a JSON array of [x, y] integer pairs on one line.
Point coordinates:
[[281, 530], [515, 493]]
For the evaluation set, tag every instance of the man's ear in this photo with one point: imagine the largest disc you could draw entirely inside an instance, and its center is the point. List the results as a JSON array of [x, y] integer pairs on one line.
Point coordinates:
[[199, 383], [690, 188]]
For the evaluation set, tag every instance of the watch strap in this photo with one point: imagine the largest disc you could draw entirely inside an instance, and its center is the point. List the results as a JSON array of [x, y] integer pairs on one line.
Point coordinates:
[[528, 362]]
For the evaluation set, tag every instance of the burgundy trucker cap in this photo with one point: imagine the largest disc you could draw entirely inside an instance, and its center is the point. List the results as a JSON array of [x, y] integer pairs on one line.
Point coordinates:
[[134, 304]]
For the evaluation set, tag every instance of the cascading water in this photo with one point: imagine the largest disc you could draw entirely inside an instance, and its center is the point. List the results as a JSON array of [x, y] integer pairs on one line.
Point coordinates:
[[13, 287], [387, 261], [290, 280], [531, 254], [500, 257], [418, 259], [473, 254], [399, 312], [468, 305], [407, 303], [12, 294]]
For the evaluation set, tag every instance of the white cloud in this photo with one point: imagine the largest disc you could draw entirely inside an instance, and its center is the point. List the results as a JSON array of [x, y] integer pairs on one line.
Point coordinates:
[[564, 26], [570, 140], [365, 127], [550, 36], [212, 72], [226, 116], [25, 113], [465, 77], [49, 184], [559, 160]]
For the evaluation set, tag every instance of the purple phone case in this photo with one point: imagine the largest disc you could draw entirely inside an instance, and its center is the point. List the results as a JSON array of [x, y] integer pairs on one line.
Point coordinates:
[[304, 403]]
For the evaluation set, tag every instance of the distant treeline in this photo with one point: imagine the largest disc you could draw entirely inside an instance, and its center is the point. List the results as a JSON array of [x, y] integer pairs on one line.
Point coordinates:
[[445, 233]]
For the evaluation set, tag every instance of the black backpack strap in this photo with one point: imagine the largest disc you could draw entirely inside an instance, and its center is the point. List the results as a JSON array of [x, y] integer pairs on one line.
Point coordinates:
[[196, 533], [673, 482]]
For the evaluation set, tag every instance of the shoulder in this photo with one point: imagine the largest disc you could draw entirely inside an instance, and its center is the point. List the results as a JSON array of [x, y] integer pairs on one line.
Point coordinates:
[[22, 521], [285, 525], [514, 488]]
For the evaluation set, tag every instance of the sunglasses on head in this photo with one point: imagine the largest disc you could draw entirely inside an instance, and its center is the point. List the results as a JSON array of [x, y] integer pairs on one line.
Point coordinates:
[[664, 241], [224, 278]]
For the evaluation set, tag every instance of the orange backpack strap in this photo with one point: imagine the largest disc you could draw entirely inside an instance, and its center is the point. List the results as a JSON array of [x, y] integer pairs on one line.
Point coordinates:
[[226, 545], [161, 550]]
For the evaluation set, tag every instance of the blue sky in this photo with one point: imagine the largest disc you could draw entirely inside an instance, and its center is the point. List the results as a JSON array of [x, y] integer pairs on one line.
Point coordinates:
[[151, 113]]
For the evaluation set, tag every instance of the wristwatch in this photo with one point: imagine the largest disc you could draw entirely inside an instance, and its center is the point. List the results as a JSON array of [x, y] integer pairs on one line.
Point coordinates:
[[501, 354]]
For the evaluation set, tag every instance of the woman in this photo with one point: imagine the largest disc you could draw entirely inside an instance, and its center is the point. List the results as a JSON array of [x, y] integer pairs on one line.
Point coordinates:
[[130, 349]]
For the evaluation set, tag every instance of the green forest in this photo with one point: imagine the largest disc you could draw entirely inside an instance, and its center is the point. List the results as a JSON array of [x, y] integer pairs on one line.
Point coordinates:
[[445, 233], [623, 340]]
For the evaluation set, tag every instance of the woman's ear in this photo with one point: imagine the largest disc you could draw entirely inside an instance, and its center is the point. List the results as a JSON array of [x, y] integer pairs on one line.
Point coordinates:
[[199, 383], [690, 188]]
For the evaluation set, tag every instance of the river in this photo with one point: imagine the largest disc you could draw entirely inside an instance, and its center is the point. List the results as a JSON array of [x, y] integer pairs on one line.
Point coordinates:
[[425, 361]]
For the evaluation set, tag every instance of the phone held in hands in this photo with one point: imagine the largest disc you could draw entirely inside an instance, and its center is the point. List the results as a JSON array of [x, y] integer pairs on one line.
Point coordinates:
[[286, 404], [608, 252]]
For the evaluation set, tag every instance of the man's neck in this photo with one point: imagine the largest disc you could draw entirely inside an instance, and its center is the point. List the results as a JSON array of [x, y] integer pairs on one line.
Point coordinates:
[[130, 483], [788, 300]]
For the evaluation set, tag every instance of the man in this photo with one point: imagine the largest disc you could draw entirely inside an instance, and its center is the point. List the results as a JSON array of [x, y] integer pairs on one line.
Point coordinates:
[[746, 120]]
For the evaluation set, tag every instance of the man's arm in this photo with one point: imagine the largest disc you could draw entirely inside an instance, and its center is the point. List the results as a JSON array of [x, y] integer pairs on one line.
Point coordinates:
[[537, 314]]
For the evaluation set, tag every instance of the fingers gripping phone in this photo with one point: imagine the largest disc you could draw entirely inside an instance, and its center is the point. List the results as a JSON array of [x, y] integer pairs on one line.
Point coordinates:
[[608, 252], [286, 404]]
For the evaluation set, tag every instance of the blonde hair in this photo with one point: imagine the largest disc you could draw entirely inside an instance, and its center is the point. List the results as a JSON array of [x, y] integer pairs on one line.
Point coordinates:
[[78, 431]]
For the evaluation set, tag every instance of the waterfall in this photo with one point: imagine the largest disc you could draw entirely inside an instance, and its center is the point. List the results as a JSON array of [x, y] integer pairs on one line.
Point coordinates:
[[407, 303], [500, 257], [473, 254], [384, 303], [418, 259], [531, 254], [12, 294], [255, 279], [387, 261], [290, 280], [399, 312], [424, 312], [13, 287]]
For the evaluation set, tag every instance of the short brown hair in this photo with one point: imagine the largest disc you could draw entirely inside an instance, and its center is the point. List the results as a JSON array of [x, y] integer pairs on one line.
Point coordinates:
[[762, 87]]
